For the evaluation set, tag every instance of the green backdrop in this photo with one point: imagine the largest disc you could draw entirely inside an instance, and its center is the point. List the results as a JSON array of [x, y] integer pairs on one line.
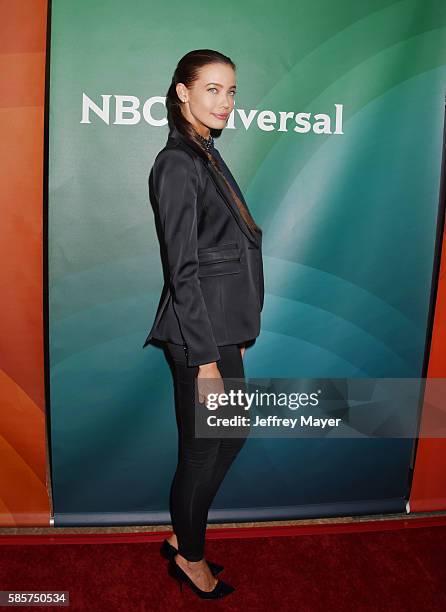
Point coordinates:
[[349, 226]]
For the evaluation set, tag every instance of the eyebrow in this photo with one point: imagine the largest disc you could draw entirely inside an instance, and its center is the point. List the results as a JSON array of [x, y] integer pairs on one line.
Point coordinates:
[[219, 85]]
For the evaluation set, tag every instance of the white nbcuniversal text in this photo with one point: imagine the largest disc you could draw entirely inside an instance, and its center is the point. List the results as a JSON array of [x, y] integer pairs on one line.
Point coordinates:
[[127, 111]]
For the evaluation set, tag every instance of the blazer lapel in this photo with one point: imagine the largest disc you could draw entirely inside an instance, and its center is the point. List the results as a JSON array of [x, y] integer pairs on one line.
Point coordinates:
[[220, 184], [229, 201]]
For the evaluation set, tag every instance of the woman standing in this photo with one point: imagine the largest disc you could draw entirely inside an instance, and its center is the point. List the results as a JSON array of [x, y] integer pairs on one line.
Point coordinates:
[[212, 298]]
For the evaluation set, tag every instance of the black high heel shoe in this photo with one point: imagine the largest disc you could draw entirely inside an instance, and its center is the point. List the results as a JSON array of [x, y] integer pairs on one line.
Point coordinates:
[[220, 590], [168, 552]]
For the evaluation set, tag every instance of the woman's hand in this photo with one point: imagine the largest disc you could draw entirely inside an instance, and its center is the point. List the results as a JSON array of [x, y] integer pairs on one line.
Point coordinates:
[[242, 350], [209, 380]]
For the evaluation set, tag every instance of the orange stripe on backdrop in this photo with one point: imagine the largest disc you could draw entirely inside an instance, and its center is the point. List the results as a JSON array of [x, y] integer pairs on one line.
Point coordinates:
[[23, 488], [429, 481]]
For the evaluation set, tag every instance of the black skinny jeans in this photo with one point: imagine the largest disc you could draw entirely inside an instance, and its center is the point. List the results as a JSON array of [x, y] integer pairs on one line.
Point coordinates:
[[202, 462]]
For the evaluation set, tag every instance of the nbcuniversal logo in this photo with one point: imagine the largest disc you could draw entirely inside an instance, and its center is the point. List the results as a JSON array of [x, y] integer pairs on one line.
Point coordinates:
[[128, 111]]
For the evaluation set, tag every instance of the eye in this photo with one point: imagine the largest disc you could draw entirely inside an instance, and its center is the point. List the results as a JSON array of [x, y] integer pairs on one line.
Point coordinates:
[[212, 89], [233, 92]]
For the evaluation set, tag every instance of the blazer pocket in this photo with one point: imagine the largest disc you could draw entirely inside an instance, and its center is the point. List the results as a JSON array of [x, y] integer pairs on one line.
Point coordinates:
[[215, 261]]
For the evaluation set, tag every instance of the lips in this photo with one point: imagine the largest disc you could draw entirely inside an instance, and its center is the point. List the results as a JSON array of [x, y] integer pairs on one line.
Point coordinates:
[[220, 116]]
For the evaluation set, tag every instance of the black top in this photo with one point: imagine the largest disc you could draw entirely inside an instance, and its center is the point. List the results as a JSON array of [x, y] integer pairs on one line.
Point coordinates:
[[224, 168]]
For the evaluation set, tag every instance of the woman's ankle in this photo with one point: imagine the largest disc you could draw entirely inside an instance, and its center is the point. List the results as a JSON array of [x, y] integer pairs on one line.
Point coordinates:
[[191, 564], [173, 540]]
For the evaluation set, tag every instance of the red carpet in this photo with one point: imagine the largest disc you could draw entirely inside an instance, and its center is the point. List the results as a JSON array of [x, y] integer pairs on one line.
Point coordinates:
[[383, 565]]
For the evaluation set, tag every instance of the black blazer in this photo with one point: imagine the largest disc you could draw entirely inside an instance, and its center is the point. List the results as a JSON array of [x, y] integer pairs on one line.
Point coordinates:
[[212, 261]]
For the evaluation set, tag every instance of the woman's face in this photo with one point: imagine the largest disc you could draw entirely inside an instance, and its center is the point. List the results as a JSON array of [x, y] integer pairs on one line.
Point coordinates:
[[209, 100]]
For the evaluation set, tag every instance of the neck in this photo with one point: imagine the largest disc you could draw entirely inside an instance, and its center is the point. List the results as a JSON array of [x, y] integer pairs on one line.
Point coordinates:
[[203, 131], [199, 127]]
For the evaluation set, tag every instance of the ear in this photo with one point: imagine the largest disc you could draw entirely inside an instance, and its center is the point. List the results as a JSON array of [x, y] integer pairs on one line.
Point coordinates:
[[181, 91]]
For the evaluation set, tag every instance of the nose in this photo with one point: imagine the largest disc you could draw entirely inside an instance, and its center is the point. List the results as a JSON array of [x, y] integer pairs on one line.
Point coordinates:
[[227, 102]]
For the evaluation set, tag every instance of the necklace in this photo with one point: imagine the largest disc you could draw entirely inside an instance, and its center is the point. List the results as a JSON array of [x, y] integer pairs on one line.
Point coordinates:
[[208, 143]]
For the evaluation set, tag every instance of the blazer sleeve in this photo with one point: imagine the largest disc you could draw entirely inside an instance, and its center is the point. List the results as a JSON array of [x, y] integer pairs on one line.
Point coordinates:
[[262, 285], [176, 188]]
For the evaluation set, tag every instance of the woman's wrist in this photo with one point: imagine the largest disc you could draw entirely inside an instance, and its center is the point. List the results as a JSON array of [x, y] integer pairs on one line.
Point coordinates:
[[207, 367]]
